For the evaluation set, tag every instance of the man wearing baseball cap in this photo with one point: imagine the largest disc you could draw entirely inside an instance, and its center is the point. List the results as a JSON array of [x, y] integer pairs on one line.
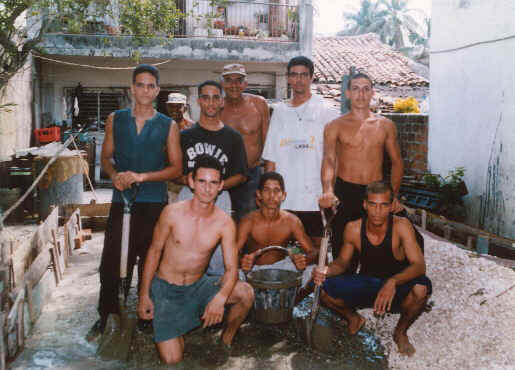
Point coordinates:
[[177, 106], [249, 115]]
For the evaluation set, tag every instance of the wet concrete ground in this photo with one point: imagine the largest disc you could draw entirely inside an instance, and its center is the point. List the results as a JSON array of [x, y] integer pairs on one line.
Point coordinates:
[[58, 339]]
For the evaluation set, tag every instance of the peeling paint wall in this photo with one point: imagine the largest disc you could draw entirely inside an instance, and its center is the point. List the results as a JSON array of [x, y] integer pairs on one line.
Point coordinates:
[[56, 77], [16, 125], [473, 105]]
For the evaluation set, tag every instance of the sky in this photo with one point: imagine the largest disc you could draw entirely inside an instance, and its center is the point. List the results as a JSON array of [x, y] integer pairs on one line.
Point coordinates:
[[328, 14]]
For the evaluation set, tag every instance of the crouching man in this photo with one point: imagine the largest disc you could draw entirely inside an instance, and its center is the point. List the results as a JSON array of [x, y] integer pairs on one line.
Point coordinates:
[[270, 226], [391, 276], [179, 297]]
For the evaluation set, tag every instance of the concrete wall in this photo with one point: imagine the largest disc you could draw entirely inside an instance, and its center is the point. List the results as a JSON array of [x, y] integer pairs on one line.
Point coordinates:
[[473, 105], [179, 75], [16, 125]]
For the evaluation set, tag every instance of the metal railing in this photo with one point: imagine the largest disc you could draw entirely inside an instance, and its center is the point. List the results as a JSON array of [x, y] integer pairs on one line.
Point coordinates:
[[275, 20], [272, 20]]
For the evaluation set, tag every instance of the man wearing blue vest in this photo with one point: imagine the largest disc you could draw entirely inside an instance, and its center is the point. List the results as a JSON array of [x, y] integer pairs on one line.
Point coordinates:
[[141, 146]]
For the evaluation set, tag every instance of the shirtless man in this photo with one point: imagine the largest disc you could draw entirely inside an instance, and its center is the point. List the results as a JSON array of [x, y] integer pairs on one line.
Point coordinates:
[[249, 115], [269, 225], [184, 239], [176, 107], [392, 268], [354, 146]]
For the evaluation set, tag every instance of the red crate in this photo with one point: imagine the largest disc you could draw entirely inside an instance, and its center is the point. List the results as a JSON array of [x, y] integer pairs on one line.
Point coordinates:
[[47, 135]]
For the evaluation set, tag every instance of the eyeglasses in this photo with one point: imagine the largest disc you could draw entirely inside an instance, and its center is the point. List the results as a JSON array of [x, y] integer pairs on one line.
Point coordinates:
[[141, 85], [235, 81], [301, 75], [215, 98]]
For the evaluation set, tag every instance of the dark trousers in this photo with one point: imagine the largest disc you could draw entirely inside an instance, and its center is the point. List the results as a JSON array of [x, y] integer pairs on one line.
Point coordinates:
[[144, 216]]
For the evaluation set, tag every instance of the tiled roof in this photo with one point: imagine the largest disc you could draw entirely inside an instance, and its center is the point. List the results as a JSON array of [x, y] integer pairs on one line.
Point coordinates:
[[333, 56]]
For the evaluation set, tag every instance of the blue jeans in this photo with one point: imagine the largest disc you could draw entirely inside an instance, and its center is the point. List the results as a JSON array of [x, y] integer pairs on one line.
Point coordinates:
[[243, 197], [360, 291]]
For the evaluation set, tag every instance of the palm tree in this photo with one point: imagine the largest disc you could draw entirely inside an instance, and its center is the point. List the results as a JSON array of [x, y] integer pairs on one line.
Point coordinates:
[[369, 18], [390, 19]]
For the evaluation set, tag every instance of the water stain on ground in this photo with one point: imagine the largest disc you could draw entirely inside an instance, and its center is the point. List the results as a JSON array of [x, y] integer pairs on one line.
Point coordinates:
[[58, 339]]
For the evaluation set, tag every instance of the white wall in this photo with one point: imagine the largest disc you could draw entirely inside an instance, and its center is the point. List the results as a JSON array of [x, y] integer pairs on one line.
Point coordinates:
[[15, 126], [473, 105], [185, 74]]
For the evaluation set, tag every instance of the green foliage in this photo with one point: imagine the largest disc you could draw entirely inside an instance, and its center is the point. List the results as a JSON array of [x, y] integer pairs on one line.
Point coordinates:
[[391, 20], [24, 22]]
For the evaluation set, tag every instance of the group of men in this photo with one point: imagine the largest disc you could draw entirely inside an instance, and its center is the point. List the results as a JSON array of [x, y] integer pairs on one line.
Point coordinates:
[[230, 204]]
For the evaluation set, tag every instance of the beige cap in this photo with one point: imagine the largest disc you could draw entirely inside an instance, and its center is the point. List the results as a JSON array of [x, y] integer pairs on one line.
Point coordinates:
[[176, 98], [234, 68]]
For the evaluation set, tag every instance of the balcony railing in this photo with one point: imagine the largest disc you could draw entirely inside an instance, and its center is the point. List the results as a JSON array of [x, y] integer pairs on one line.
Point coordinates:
[[274, 20]]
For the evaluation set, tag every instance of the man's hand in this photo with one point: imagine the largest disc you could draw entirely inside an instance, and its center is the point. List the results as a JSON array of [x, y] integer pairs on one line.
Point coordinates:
[[124, 180], [214, 312], [397, 206], [145, 308], [319, 275], [328, 200], [300, 260], [384, 298], [247, 261]]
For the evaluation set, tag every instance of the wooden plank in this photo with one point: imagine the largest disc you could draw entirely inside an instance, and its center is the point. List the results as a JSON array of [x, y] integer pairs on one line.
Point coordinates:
[[3, 353], [30, 303], [38, 267], [55, 264], [86, 210], [13, 313], [60, 256], [20, 330], [441, 222], [43, 233]]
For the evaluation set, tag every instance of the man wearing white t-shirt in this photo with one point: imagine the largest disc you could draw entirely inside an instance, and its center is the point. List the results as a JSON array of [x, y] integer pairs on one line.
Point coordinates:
[[295, 142]]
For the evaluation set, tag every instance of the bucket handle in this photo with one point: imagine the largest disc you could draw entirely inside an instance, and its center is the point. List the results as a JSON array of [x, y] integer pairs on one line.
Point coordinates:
[[266, 249]]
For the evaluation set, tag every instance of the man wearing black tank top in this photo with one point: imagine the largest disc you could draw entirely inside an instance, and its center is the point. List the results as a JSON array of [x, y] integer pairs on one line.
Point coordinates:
[[392, 274]]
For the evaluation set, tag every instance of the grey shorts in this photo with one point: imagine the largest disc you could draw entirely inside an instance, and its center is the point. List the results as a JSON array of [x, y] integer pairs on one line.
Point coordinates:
[[178, 308]]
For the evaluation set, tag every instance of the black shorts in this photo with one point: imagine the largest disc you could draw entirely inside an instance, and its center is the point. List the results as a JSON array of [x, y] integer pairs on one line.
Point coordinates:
[[312, 221], [351, 208]]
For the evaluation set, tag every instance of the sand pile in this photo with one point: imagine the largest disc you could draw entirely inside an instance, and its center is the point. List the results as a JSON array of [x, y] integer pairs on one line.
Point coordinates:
[[468, 327]]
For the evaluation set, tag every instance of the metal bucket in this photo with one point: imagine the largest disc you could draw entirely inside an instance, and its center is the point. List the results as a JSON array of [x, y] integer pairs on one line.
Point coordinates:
[[274, 292]]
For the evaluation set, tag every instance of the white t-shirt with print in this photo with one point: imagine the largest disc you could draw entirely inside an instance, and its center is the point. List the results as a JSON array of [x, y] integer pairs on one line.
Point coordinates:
[[295, 142]]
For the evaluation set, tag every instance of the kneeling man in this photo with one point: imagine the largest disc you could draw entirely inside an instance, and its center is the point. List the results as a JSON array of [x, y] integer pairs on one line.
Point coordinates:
[[184, 240], [392, 271], [268, 226]]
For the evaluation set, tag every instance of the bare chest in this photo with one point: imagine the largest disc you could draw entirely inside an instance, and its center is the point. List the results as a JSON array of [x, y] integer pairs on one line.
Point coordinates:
[[266, 235], [364, 138], [246, 120]]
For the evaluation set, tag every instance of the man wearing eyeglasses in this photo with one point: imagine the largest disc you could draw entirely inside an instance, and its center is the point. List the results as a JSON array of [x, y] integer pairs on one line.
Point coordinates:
[[294, 145], [141, 146], [211, 136], [249, 115]]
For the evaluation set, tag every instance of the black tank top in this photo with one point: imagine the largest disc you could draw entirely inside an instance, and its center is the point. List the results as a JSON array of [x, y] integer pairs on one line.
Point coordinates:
[[378, 261]]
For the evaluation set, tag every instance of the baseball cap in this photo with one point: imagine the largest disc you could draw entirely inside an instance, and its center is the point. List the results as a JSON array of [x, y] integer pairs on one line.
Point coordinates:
[[176, 98], [234, 68]]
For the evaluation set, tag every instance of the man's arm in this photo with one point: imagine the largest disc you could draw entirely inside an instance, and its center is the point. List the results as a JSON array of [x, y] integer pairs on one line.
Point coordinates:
[[265, 117], [416, 268], [329, 166], [214, 311], [342, 262], [244, 230], [234, 181], [161, 232], [106, 157], [394, 152], [174, 168], [311, 254]]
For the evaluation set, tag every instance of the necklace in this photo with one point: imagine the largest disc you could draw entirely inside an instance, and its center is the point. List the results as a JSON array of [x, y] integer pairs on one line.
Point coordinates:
[[299, 116]]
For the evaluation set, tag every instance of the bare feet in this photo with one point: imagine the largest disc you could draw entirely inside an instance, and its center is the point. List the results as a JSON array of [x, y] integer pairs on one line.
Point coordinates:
[[355, 323], [403, 343]]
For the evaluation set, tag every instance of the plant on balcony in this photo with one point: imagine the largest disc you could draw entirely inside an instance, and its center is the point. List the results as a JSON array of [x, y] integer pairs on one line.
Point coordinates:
[[142, 18]]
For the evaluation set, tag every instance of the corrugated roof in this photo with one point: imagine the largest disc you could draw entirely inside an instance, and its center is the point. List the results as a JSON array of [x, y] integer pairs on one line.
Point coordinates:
[[333, 56]]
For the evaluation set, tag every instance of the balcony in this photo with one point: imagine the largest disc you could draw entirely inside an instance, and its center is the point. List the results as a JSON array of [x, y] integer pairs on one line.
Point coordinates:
[[239, 30]]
